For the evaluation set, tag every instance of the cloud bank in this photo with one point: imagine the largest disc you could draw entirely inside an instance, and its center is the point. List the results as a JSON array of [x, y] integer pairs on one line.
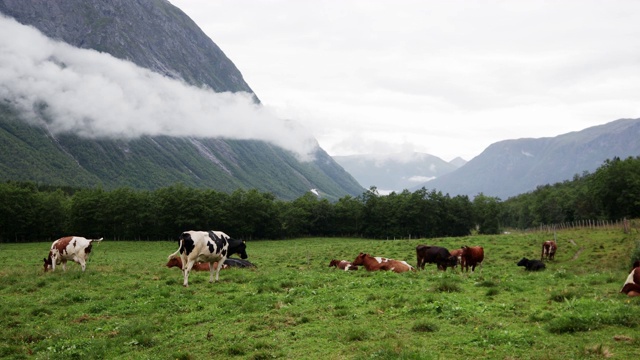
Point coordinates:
[[96, 95]]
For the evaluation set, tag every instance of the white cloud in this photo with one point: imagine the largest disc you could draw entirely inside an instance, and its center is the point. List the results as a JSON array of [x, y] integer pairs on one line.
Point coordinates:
[[96, 95]]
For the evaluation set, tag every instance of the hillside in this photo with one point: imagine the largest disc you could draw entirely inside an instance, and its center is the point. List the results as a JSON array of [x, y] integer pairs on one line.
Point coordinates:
[[511, 167], [155, 35], [394, 172]]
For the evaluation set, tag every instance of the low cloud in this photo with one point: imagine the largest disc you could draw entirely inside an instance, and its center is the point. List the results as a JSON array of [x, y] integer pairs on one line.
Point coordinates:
[[96, 95]]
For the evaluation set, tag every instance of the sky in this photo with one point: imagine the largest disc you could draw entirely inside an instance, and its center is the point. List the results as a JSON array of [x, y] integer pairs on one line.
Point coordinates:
[[448, 77]]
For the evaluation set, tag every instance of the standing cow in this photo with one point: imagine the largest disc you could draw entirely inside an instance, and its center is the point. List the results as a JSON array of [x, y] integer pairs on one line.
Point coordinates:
[[207, 246], [548, 250], [471, 256], [74, 248], [435, 254]]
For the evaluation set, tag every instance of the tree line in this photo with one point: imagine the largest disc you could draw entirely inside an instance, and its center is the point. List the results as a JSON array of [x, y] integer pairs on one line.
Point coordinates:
[[32, 212]]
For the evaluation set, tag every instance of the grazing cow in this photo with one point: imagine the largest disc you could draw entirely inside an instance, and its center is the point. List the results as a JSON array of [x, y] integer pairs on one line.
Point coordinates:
[[74, 248], [207, 246], [471, 256], [435, 254], [379, 263], [531, 265], [458, 254], [632, 285], [343, 264], [549, 250]]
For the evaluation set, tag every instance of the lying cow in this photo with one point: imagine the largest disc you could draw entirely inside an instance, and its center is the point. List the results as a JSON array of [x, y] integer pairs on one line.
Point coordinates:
[[435, 254], [204, 266], [74, 248], [207, 246], [343, 265], [531, 265], [376, 263], [632, 285], [471, 256], [549, 248]]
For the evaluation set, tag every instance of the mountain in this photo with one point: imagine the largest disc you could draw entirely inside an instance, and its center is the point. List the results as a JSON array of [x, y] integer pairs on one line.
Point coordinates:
[[511, 167], [458, 162], [155, 35], [394, 172]]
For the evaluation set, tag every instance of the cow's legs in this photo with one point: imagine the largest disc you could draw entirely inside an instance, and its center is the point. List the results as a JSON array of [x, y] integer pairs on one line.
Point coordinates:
[[82, 263], [217, 269], [185, 271], [64, 265]]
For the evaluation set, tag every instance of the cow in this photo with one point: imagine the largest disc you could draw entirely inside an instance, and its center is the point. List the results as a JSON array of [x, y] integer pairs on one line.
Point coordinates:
[[343, 264], [471, 256], [204, 266], [435, 254], [549, 250], [380, 263], [531, 265], [631, 286], [458, 254], [199, 266], [207, 246], [74, 248]]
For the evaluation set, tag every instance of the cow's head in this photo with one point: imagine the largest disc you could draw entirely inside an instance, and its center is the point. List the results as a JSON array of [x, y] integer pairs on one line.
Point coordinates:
[[523, 262], [359, 259], [47, 263], [452, 261], [174, 262], [237, 247], [334, 263]]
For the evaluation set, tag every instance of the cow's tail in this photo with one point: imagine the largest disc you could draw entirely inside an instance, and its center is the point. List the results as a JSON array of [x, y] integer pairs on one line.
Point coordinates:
[[96, 240]]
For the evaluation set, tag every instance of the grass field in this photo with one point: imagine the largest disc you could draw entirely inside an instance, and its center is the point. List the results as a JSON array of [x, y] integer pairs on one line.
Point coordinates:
[[127, 305]]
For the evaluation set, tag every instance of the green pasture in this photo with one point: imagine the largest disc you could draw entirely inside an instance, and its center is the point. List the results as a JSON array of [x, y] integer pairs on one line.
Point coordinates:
[[127, 305]]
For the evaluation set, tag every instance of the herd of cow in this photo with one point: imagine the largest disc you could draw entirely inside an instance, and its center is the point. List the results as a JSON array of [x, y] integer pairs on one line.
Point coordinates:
[[211, 251]]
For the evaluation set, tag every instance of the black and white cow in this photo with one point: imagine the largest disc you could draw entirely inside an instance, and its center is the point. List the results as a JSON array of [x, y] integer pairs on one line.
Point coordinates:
[[207, 246], [531, 265]]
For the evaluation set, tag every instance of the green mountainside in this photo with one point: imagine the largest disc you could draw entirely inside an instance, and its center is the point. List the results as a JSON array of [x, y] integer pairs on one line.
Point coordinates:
[[156, 35], [511, 167]]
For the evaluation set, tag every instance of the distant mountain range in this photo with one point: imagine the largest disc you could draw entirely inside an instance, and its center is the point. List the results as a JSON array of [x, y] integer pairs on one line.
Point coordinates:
[[155, 35], [395, 172], [511, 167]]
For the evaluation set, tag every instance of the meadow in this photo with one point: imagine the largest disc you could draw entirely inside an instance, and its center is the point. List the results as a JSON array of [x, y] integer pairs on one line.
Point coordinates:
[[128, 305]]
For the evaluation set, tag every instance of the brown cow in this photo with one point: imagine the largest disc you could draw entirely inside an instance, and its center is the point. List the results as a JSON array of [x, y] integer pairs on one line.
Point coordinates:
[[632, 285], [343, 264], [379, 263], [549, 250], [471, 256], [199, 266]]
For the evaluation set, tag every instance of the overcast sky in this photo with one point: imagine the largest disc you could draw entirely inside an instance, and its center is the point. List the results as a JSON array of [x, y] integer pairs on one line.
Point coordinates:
[[447, 78]]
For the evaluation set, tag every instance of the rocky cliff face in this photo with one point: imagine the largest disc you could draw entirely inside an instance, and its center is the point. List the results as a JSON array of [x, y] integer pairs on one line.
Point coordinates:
[[150, 33], [156, 35]]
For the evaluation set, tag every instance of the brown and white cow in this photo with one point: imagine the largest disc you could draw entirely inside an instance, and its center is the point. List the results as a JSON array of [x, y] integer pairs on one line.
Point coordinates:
[[200, 266], [74, 248], [632, 285], [207, 246], [471, 256], [549, 248], [343, 265], [380, 263]]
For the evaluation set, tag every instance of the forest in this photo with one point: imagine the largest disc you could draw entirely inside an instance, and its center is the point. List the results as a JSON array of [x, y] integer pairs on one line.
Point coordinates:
[[32, 212]]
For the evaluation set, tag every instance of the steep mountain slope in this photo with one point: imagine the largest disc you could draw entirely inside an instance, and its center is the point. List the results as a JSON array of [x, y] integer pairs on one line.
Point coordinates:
[[512, 167], [394, 172], [156, 35]]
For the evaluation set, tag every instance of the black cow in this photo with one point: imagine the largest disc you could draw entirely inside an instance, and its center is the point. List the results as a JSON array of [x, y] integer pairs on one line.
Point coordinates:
[[531, 265], [435, 254], [207, 246], [234, 262]]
